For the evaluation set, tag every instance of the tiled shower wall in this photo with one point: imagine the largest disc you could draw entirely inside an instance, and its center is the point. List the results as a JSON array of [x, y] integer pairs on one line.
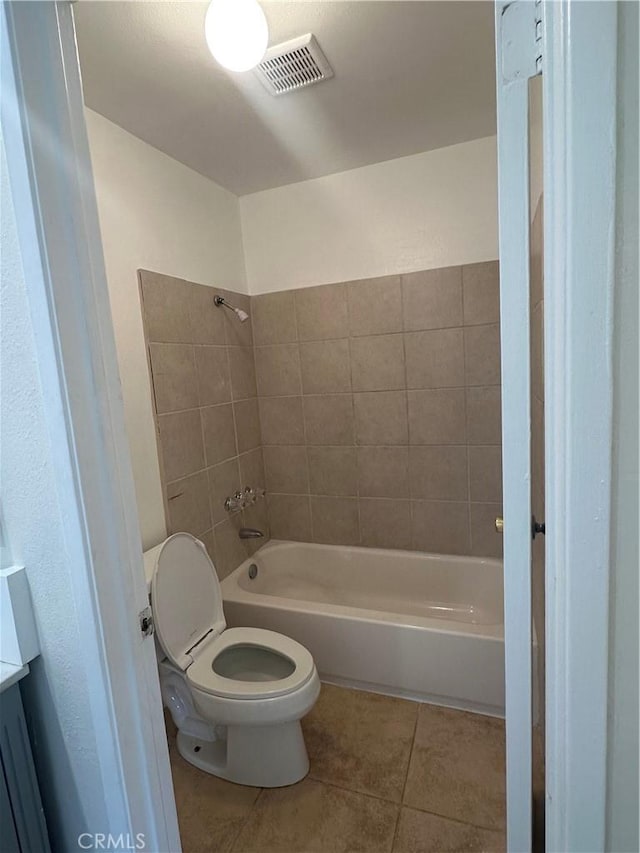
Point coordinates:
[[380, 410], [369, 410], [204, 391]]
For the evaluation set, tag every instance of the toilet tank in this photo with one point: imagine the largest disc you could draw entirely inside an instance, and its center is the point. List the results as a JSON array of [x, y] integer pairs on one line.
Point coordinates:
[[150, 558]]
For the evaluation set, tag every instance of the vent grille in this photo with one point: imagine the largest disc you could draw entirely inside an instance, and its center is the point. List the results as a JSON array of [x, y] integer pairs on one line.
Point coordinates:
[[293, 65]]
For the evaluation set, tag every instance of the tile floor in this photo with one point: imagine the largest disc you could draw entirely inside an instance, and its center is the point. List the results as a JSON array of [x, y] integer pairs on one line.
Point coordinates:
[[386, 775]]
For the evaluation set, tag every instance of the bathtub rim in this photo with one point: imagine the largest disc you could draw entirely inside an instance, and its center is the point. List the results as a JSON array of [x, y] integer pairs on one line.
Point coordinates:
[[233, 592]]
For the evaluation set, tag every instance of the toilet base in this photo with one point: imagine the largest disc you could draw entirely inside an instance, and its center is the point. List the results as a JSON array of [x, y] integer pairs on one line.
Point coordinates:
[[260, 756]]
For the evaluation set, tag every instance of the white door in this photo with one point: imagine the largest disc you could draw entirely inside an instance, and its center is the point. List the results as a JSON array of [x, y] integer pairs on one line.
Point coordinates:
[[516, 62], [49, 169]]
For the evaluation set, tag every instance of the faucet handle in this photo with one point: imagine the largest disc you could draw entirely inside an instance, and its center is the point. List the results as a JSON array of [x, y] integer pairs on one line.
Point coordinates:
[[235, 503]]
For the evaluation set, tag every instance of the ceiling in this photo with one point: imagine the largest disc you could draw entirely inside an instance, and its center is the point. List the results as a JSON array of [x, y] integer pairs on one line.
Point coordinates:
[[409, 77]]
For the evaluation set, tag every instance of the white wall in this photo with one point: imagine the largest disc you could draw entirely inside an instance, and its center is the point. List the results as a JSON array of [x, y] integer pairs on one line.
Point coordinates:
[[429, 210], [622, 789], [155, 214]]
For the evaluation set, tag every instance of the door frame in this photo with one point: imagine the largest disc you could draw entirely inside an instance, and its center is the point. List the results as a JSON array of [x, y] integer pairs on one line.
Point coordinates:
[[76, 353], [579, 149], [49, 169]]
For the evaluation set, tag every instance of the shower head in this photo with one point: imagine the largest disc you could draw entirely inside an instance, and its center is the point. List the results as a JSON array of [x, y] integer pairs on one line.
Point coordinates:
[[240, 314]]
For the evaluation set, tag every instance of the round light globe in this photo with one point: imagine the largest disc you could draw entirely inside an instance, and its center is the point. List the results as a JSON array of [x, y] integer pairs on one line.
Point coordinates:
[[237, 33]]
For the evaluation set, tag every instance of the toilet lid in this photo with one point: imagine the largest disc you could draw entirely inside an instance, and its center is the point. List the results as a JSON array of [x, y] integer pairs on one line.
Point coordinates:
[[186, 597]]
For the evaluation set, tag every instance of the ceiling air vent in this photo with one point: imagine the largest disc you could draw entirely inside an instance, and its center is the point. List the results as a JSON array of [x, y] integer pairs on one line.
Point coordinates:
[[293, 65]]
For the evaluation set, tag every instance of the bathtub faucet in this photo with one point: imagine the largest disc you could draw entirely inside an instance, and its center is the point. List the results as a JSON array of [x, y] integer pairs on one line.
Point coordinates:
[[250, 533]]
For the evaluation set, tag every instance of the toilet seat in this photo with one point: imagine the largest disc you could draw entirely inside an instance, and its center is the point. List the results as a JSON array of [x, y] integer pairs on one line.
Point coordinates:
[[290, 664], [233, 663]]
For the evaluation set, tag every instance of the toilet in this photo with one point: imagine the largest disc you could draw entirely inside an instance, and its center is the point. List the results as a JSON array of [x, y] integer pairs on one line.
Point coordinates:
[[236, 695]]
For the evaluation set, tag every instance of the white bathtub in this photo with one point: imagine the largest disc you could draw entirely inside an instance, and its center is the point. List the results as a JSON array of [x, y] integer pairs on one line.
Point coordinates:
[[423, 626]]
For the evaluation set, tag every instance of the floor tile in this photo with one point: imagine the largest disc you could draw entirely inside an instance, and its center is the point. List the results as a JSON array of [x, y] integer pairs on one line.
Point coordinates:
[[419, 832], [312, 816], [360, 741], [457, 767], [211, 811]]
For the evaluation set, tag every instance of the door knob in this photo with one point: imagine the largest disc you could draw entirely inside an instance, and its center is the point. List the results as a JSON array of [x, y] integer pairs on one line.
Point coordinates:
[[499, 524], [537, 527]]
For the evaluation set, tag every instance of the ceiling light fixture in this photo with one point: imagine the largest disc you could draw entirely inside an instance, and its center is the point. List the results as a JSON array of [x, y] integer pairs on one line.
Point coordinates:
[[237, 33]]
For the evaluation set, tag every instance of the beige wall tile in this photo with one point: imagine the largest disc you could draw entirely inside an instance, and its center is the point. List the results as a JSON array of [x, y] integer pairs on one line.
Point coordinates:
[[209, 542], [325, 367], [219, 433], [237, 334], [381, 417], [484, 421], [230, 549], [328, 419], [377, 363], [207, 320], [537, 351], [188, 505], [243, 372], [214, 381], [437, 416], [485, 473], [335, 520], [252, 469], [536, 255], [278, 370], [247, 422], [435, 359], [432, 299], [257, 516], [482, 355], [165, 307], [181, 444], [439, 473], [290, 517], [174, 377], [441, 527], [375, 306], [385, 523], [281, 420], [286, 469], [481, 293], [274, 318], [332, 470], [537, 447], [485, 540], [322, 312], [224, 482], [383, 472]]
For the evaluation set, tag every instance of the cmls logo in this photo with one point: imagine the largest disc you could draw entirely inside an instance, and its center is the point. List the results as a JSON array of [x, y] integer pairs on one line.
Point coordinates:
[[107, 841]]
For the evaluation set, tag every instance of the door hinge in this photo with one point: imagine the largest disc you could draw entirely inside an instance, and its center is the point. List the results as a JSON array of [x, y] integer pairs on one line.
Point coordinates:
[[145, 620], [520, 24], [538, 37]]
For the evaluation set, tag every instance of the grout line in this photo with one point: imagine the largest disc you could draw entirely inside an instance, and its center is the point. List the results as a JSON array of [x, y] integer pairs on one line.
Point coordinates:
[[466, 418], [354, 426], [457, 820], [406, 777], [244, 822], [359, 793]]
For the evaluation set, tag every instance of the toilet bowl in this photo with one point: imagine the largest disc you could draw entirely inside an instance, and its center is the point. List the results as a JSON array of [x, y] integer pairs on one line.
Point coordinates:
[[236, 695]]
